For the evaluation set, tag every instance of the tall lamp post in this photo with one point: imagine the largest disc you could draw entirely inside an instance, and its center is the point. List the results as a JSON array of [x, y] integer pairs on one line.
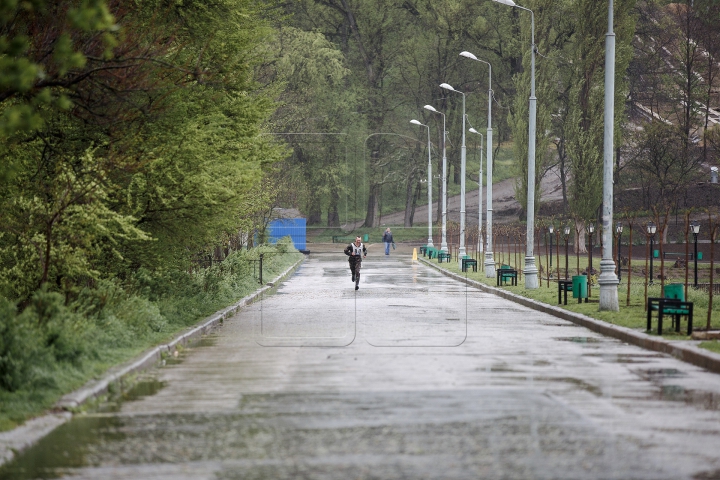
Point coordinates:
[[619, 230], [608, 280], [461, 252], [480, 177], [567, 238], [651, 229], [590, 230], [695, 230], [551, 230], [531, 271], [443, 243], [429, 182], [489, 256]]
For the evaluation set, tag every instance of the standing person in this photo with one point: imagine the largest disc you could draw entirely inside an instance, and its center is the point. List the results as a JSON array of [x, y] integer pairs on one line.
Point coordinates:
[[388, 239], [356, 252]]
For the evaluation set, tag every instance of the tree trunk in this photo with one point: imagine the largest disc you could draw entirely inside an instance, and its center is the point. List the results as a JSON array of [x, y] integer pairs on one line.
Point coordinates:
[[372, 218], [314, 211], [333, 217], [409, 200]]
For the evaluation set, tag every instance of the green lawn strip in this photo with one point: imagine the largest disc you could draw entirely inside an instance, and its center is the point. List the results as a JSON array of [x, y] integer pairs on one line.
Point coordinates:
[[633, 316], [713, 346], [52, 380]]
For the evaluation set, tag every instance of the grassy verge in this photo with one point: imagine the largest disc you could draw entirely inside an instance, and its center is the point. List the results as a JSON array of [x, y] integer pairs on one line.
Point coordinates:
[[632, 314], [52, 348]]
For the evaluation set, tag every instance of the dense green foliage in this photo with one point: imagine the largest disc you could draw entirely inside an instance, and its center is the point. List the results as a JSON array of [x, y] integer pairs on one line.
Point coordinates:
[[51, 347], [129, 146]]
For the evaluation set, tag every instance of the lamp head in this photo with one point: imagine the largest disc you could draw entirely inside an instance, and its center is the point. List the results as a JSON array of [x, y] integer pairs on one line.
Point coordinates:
[[567, 231], [472, 130], [509, 3], [619, 227], [468, 55], [590, 228], [415, 122], [551, 229], [695, 228], [447, 86], [431, 108], [651, 228]]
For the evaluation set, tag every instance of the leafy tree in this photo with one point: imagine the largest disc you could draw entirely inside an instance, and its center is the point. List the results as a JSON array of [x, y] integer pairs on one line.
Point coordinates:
[[123, 134]]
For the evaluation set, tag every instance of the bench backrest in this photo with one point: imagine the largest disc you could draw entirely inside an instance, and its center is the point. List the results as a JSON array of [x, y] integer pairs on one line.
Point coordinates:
[[675, 291]]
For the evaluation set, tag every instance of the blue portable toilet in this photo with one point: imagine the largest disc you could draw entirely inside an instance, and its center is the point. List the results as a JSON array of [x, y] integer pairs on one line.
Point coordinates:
[[293, 227]]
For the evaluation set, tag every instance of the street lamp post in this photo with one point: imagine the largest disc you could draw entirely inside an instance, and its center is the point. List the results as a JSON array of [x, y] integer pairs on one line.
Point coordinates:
[[619, 230], [551, 230], [590, 231], [531, 271], [480, 177], [461, 252], [651, 229], [429, 182], [443, 243], [489, 256], [567, 238], [608, 280], [695, 230]]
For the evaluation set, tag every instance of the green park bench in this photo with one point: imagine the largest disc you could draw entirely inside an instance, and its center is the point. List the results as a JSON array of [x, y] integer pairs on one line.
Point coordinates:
[[506, 273], [468, 262], [673, 303], [444, 256], [682, 255]]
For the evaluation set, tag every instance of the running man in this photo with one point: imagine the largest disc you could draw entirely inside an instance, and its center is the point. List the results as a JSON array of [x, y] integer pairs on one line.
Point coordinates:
[[356, 252]]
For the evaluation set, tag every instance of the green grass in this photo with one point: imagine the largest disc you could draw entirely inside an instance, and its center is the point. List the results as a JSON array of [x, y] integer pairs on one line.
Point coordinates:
[[134, 320], [713, 346], [631, 315]]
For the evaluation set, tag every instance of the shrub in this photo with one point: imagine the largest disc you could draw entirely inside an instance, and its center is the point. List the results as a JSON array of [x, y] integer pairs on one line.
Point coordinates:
[[19, 346], [65, 334]]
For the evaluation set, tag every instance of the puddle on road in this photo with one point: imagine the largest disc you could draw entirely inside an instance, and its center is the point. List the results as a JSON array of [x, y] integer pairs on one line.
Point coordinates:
[[696, 398], [64, 448], [655, 374], [577, 382], [626, 357], [580, 339], [70, 445]]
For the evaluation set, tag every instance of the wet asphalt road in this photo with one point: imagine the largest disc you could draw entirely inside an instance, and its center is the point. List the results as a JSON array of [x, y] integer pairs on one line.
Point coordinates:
[[414, 376]]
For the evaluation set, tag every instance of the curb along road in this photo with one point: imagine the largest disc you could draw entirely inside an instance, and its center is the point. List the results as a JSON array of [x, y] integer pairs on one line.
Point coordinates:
[[681, 350], [26, 435]]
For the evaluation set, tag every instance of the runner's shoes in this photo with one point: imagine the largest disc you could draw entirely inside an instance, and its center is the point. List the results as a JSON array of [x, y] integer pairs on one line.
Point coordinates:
[[357, 287], [353, 278]]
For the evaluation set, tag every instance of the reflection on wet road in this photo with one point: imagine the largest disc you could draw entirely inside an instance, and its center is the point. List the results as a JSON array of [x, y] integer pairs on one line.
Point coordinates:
[[465, 385]]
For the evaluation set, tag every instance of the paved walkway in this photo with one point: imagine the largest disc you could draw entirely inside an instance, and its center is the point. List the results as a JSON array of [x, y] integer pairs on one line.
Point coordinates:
[[413, 376]]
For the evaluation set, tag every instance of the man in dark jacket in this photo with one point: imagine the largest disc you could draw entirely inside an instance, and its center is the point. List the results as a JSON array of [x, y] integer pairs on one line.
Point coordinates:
[[356, 252], [388, 239]]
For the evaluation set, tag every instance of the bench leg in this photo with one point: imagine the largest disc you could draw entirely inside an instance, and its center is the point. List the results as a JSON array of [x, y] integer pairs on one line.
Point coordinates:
[[660, 315]]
